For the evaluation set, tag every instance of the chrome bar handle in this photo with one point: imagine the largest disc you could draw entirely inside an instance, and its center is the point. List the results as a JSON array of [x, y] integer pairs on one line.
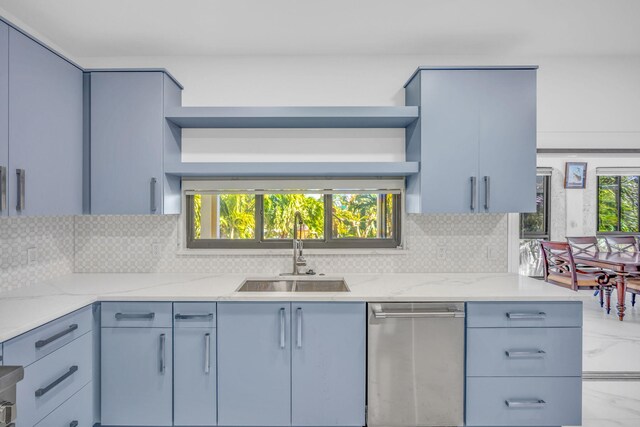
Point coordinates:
[[52, 338], [73, 424], [299, 329], [162, 353], [208, 316], [487, 192], [152, 190], [525, 404], [378, 313], [473, 193], [20, 175], [207, 353], [533, 354], [42, 391], [135, 316], [527, 316], [3, 188], [282, 327]]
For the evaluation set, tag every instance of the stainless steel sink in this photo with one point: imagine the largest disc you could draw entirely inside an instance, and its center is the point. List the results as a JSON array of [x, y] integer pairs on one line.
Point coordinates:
[[293, 285]]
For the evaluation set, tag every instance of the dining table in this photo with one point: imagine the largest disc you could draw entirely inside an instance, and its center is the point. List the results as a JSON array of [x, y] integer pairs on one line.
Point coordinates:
[[623, 264]]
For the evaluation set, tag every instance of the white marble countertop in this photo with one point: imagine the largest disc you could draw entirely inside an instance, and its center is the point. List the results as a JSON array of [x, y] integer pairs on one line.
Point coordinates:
[[27, 308]]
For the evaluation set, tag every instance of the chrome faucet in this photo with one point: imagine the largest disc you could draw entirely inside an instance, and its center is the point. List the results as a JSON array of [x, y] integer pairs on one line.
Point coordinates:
[[299, 260]]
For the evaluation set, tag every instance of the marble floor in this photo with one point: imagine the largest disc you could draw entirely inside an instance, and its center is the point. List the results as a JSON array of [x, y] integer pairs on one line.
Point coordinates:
[[610, 346]]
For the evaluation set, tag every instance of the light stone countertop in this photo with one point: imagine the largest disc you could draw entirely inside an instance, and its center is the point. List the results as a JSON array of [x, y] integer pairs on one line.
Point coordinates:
[[27, 308]]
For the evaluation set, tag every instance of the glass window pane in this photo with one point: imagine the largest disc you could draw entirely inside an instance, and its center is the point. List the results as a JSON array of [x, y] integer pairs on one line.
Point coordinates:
[[629, 204], [608, 203], [364, 216], [535, 222], [279, 211], [224, 216]]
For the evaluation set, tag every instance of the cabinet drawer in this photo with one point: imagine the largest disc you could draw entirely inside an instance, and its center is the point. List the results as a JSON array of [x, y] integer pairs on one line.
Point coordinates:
[[53, 379], [524, 314], [509, 352], [75, 412], [33, 345], [524, 401], [136, 314], [194, 314]]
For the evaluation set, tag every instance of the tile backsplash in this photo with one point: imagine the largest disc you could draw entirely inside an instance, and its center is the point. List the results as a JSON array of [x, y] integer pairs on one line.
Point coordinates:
[[119, 244]]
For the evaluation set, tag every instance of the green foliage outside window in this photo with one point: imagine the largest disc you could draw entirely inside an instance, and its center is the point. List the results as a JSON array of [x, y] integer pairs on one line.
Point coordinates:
[[618, 200]]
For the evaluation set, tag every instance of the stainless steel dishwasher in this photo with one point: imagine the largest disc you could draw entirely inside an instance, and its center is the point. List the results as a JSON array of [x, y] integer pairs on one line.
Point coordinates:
[[415, 364]]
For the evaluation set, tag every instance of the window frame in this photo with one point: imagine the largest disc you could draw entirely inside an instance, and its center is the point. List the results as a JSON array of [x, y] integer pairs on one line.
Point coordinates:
[[619, 204], [328, 242], [546, 214]]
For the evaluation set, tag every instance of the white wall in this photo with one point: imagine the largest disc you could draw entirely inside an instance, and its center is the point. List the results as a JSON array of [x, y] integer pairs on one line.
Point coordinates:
[[583, 102]]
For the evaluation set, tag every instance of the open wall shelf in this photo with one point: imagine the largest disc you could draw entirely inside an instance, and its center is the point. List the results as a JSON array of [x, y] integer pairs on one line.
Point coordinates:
[[292, 117]]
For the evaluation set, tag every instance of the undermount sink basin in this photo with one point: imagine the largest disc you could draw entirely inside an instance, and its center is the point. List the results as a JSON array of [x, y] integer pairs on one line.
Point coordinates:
[[293, 285]]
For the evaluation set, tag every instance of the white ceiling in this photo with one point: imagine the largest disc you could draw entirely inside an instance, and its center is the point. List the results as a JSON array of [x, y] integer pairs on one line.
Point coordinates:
[[92, 28]]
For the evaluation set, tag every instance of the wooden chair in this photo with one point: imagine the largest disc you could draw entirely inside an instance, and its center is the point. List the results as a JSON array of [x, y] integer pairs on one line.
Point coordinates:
[[621, 244], [560, 269], [586, 245]]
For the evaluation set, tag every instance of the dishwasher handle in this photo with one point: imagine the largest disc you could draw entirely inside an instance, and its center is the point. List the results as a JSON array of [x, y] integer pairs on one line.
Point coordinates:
[[378, 313]]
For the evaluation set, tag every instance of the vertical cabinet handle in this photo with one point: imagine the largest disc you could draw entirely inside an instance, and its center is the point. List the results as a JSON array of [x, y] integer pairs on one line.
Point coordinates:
[[473, 193], [299, 329], [20, 174], [207, 353], [3, 188], [487, 192], [73, 424], [162, 353], [282, 328], [152, 190]]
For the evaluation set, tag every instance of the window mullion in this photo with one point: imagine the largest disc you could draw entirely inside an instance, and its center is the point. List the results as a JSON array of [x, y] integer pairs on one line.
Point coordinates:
[[259, 215], [328, 217], [619, 201]]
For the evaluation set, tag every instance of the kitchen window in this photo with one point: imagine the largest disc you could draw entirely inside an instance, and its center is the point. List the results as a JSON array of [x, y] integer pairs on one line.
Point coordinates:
[[618, 201], [250, 214], [534, 227]]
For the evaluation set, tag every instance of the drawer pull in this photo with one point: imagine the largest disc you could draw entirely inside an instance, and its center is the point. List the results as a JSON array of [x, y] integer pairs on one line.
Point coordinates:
[[42, 391], [207, 353], [534, 354], [135, 316], [525, 404], [527, 316], [73, 424], [52, 338], [208, 316]]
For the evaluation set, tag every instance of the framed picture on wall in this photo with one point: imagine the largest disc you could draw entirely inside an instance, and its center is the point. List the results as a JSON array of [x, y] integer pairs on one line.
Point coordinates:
[[575, 175]]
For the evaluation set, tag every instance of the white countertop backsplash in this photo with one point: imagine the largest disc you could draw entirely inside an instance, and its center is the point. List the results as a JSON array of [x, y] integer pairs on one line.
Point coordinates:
[[27, 308]]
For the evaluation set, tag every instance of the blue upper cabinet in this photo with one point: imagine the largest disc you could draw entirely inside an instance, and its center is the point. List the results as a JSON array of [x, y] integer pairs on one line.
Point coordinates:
[[4, 116], [475, 139], [45, 129], [130, 141]]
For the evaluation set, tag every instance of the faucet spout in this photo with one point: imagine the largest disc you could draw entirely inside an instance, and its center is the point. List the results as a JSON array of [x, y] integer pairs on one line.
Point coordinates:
[[299, 260]]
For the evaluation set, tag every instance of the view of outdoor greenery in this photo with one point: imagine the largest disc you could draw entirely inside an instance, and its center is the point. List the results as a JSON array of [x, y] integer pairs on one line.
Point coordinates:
[[534, 223], [622, 190], [353, 215]]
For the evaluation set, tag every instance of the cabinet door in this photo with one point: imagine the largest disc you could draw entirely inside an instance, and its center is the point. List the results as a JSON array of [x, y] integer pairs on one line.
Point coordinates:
[[254, 364], [45, 129], [194, 389], [126, 142], [4, 116], [449, 152], [328, 364], [136, 377], [508, 141]]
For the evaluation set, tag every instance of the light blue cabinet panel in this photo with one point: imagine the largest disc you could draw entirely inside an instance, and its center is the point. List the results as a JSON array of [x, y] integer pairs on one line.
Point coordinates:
[[34, 345], [45, 129], [77, 411], [535, 314], [53, 379], [328, 364], [136, 377], [524, 401], [533, 352], [507, 154], [4, 116], [136, 314], [194, 387], [254, 364]]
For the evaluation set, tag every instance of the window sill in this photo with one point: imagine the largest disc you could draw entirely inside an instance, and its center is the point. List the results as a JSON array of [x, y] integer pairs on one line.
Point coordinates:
[[288, 252]]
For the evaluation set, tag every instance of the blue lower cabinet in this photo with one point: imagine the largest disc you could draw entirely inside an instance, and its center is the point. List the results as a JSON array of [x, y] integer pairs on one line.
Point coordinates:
[[75, 412], [136, 376], [254, 364], [328, 372], [194, 387]]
